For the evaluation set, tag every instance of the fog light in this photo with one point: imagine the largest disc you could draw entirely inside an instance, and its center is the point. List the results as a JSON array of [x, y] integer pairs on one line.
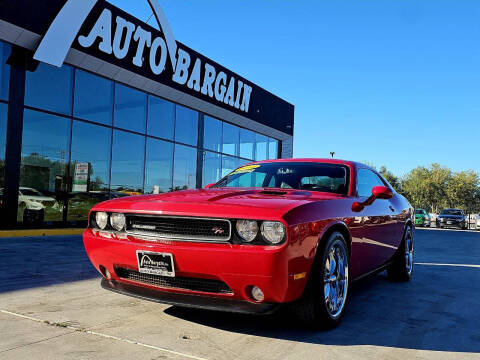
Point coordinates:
[[257, 294], [106, 274]]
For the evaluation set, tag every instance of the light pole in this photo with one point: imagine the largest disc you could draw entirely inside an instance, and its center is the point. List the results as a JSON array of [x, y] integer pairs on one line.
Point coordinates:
[[332, 153]]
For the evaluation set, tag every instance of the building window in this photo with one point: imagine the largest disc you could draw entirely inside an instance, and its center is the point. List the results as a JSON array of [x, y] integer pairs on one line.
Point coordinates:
[[247, 144], [50, 88], [212, 168], [44, 161], [93, 98], [130, 109], [261, 147], [3, 133], [229, 164], [89, 168], [5, 50], [161, 118], [185, 168], [159, 164], [128, 153], [272, 149], [212, 134], [231, 139], [186, 126]]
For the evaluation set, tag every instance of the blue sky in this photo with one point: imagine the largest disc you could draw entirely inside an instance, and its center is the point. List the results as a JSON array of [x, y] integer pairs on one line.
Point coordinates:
[[393, 83]]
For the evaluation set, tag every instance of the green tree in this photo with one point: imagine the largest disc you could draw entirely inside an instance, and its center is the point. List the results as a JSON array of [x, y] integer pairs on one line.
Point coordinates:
[[427, 187], [391, 178], [463, 191]]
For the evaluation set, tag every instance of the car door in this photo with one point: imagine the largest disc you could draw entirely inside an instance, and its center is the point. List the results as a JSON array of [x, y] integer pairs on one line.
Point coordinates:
[[374, 244]]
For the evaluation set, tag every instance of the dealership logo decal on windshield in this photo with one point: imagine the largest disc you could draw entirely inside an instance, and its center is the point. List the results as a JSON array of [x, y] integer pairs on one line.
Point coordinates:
[[116, 36]]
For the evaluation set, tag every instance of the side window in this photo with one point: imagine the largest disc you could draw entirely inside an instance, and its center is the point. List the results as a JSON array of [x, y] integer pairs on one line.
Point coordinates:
[[366, 180]]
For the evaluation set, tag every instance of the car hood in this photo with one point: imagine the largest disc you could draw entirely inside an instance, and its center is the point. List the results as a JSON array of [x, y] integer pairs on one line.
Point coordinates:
[[252, 203]]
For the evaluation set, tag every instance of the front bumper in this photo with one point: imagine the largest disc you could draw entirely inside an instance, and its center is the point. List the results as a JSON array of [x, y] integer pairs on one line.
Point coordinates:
[[452, 223], [191, 301], [238, 266]]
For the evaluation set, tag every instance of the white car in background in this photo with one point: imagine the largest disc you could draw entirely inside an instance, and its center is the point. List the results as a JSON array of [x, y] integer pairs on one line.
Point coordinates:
[[34, 199], [32, 204], [477, 222]]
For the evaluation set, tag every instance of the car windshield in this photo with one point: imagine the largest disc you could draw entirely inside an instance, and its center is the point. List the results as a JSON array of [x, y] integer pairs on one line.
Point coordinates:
[[30, 192], [324, 177], [420, 212], [452, 212]]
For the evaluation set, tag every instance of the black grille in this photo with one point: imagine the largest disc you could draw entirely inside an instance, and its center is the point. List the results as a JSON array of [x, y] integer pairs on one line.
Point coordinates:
[[194, 284], [179, 228]]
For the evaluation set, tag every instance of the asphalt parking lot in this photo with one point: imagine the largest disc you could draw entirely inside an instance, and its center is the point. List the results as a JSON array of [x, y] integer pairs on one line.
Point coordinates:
[[52, 306]]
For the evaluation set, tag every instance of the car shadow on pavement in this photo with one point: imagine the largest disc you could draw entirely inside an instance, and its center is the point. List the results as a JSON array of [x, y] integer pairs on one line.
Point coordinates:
[[41, 261], [437, 310]]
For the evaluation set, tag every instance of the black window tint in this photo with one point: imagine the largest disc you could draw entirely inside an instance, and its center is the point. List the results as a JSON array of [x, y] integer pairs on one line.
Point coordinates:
[[366, 181], [322, 177]]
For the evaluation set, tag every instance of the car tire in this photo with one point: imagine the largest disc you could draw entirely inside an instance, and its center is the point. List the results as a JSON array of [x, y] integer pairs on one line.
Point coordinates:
[[401, 268], [316, 309]]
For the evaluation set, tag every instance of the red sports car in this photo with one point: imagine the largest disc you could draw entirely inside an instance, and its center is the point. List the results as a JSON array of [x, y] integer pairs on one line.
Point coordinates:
[[270, 233]]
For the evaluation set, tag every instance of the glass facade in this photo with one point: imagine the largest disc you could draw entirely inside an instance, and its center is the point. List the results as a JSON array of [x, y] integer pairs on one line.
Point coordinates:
[[87, 139]]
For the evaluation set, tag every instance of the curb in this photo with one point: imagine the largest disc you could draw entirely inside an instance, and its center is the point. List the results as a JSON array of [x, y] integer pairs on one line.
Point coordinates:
[[39, 232]]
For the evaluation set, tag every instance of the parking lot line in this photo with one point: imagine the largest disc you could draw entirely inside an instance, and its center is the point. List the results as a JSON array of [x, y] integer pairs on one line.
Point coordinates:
[[106, 336], [455, 265]]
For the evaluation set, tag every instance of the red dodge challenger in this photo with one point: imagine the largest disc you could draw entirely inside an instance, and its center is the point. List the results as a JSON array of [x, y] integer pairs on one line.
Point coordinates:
[[291, 231]]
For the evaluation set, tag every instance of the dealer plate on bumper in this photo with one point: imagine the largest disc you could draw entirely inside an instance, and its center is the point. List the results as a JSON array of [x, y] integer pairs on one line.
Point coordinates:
[[155, 263]]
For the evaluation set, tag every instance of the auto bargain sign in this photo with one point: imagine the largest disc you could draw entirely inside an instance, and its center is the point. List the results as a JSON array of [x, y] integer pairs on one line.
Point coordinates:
[[104, 31]]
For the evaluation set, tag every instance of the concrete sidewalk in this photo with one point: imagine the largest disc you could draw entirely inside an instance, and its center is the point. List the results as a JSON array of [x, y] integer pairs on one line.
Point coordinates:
[[432, 317]]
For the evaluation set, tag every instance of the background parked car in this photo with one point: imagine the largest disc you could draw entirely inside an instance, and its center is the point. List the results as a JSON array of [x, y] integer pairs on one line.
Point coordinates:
[[422, 218], [477, 222], [452, 218]]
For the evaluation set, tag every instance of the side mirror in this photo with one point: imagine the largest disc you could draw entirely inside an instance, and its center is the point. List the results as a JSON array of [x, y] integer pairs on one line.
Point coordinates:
[[209, 186], [382, 192], [378, 192]]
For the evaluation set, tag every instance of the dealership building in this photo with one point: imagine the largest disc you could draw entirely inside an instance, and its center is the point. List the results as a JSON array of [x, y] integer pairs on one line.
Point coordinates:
[[96, 104]]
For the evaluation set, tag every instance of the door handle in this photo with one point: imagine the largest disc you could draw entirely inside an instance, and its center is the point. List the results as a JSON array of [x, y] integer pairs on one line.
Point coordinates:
[[392, 208]]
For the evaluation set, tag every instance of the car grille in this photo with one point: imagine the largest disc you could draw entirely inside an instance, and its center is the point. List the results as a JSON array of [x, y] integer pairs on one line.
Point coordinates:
[[179, 227], [194, 284]]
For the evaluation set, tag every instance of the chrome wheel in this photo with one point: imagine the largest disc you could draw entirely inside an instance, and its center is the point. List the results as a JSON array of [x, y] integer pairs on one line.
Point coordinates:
[[409, 252], [335, 284]]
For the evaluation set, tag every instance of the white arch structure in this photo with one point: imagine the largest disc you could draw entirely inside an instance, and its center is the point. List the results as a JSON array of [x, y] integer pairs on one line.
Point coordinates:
[[58, 40]]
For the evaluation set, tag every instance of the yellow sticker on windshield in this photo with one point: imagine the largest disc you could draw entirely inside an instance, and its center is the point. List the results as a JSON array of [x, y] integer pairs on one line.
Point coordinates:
[[245, 169]]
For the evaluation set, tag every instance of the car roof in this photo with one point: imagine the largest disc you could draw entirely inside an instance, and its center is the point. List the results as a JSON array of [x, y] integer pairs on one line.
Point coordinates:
[[317, 160]]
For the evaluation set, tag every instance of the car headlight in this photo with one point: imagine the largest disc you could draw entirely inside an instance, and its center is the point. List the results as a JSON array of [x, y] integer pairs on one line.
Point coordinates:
[[117, 221], [247, 229], [101, 218], [273, 231]]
